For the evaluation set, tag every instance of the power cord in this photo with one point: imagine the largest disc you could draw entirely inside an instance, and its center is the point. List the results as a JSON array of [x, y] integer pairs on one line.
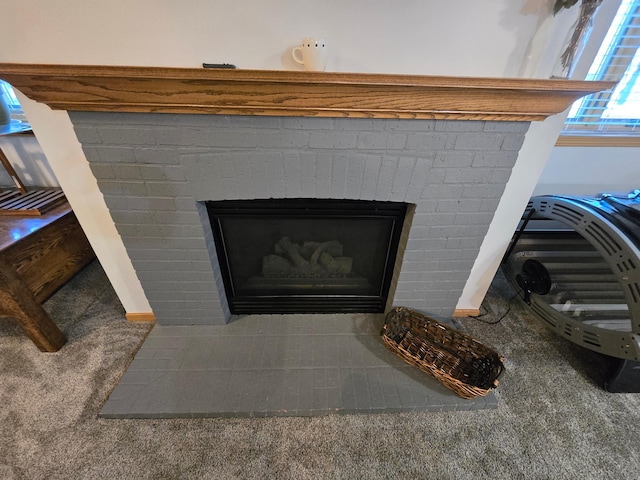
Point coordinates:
[[494, 322]]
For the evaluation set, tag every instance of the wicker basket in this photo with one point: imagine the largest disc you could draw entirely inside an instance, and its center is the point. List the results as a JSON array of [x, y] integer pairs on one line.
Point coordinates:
[[459, 362]]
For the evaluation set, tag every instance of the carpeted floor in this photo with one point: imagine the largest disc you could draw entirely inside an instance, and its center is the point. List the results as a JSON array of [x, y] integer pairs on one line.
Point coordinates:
[[553, 420]]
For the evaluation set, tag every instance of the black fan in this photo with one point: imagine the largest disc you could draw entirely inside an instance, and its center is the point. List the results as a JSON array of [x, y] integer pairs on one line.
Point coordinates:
[[534, 278]]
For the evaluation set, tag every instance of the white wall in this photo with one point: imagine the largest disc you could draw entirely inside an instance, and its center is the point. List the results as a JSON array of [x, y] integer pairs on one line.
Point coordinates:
[[457, 37], [589, 171]]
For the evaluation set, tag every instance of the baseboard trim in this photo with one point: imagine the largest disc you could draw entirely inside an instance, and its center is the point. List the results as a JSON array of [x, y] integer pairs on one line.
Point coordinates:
[[468, 312], [141, 317]]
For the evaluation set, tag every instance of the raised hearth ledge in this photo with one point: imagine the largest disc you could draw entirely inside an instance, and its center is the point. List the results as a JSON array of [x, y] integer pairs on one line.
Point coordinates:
[[287, 93]]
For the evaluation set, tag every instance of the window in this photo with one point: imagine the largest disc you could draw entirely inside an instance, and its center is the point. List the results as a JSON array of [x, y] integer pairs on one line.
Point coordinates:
[[15, 109], [615, 111]]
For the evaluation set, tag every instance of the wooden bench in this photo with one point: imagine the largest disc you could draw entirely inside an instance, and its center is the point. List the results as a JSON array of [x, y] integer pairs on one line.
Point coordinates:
[[37, 256]]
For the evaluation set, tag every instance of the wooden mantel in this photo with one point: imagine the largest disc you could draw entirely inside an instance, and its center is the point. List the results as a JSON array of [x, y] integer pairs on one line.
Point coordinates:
[[285, 93]]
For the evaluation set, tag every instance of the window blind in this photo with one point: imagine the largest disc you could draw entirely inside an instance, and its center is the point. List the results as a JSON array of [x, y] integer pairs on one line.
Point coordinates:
[[615, 111], [10, 97]]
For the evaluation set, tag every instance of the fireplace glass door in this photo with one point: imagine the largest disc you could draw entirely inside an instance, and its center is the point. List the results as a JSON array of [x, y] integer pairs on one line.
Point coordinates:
[[306, 256]]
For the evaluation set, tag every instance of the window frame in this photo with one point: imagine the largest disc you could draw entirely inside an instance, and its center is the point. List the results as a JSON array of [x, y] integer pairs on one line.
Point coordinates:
[[579, 129]]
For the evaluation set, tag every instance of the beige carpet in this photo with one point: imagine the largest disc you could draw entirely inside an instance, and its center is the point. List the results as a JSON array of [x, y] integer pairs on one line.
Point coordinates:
[[553, 420]]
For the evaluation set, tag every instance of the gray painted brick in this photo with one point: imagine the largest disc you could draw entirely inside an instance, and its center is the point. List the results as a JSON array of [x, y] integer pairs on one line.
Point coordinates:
[[182, 204], [110, 187], [513, 142], [370, 180], [181, 231], [500, 176], [127, 172], [257, 175], [333, 140], [339, 176], [460, 205], [176, 218], [102, 171], [482, 191], [92, 154], [133, 217], [275, 175], [489, 204], [114, 154], [216, 157], [167, 189], [436, 176], [155, 243], [459, 125], [463, 243], [114, 118], [494, 159], [409, 125], [155, 156], [152, 172], [220, 138], [307, 174], [133, 189], [138, 230], [291, 175], [418, 179], [305, 123], [438, 219], [442, 191], [175, 173], [87, 134], [426, 142], [359, 124], [115, 202], [168, 136], [159, 254], [241, 176], [478, 141], [151, 203], [324, 165], [251, 122], [453, 159], [386, 177], [467, 175], [381, 141], [354, 176], [402, 179], [202, 121], [506, 127], [126, 135], [479, 218], [281, 139]]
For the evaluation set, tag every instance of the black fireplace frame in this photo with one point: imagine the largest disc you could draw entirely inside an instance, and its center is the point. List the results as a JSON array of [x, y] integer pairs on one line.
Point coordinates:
[[305, 208]]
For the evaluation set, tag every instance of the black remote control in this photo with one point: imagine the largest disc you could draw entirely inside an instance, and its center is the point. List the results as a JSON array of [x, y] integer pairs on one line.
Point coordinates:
[[218, 65]]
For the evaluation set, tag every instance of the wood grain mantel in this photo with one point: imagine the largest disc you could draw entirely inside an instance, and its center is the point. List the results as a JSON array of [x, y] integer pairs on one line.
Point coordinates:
[[285, 93]]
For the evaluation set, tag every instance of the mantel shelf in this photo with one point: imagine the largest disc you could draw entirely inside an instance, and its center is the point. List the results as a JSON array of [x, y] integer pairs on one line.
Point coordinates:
[[285, 93]]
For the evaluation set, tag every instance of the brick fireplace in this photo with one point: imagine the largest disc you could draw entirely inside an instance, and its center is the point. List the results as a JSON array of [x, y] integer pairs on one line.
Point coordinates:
[[445, 146], [162, 142], [156, 170]]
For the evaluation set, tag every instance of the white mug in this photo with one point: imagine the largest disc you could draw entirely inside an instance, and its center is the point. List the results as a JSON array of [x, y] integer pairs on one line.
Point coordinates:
[[312, 54]]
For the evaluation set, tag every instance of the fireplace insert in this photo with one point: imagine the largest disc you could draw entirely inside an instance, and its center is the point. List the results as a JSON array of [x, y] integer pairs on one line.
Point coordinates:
[[306, 255]]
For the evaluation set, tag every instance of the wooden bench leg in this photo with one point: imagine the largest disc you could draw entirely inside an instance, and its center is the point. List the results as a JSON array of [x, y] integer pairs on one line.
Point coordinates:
[[17, 301]]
